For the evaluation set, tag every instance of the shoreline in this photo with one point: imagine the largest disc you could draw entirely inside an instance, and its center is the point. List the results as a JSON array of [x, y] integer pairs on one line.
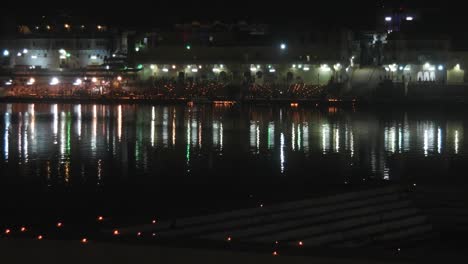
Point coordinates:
[[293, 103]]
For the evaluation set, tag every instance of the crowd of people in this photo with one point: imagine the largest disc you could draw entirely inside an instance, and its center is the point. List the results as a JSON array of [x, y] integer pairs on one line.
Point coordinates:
[[171, 89]]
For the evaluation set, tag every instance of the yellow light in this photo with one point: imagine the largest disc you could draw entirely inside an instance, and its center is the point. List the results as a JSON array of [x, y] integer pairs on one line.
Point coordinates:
[[84, 240], [23, 229], [100, 218], [67, 26], [116, 232], [94, 79], [39, 237], [119, 78]]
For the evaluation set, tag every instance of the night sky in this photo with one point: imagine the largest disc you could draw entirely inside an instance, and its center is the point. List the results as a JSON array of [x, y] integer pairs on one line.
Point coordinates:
[[358, 14]]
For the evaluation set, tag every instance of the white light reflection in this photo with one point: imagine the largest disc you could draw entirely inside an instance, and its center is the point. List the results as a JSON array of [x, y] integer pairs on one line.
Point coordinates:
[[153, 125], [165, 126], [325, 138], [221, 137], [456, 141], [305, 136], [119, 123], [78, 120], [20, 126], [6, 137], [282, 152], [400, 139], [426, 142], [194, 130], [55, 122], [199, 134], [62, 136], [174, 127], [258, 138], [439, 140], [271, 135], [32, 116], [293, 137], [94, 132], [187, 152], [337, 139], [215, 133]]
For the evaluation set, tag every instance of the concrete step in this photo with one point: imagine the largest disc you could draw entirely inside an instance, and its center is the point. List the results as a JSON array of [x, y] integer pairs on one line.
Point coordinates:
[[307, 220], [360, 233], [243, 223], [267, 210], [298, 234]]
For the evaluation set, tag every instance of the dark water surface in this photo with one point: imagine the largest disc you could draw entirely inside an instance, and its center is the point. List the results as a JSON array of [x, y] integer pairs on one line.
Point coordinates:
[[71, 159]]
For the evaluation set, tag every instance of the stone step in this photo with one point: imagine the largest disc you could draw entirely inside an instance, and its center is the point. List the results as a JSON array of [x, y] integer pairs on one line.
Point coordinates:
[[313, 204], [286, 224], [339, 226], [360, 233], [391, 238], [284, 216]]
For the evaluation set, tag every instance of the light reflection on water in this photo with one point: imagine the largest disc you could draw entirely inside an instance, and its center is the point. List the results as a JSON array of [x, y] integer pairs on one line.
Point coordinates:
[[98, 143]]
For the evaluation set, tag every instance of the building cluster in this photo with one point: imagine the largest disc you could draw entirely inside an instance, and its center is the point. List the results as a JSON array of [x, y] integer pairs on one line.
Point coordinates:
[[257, 55]]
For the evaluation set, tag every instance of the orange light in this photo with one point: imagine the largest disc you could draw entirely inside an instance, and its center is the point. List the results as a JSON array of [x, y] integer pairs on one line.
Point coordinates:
[[39, 237], [100, 218], [59, 224], [300, 243], [84, 240], [116, 232], [8, 231], [23, 229], [294, 105], [275, 253]]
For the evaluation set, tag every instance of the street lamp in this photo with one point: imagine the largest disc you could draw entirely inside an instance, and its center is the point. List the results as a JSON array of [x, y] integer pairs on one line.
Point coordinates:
[[283, 46], [54, 81]]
